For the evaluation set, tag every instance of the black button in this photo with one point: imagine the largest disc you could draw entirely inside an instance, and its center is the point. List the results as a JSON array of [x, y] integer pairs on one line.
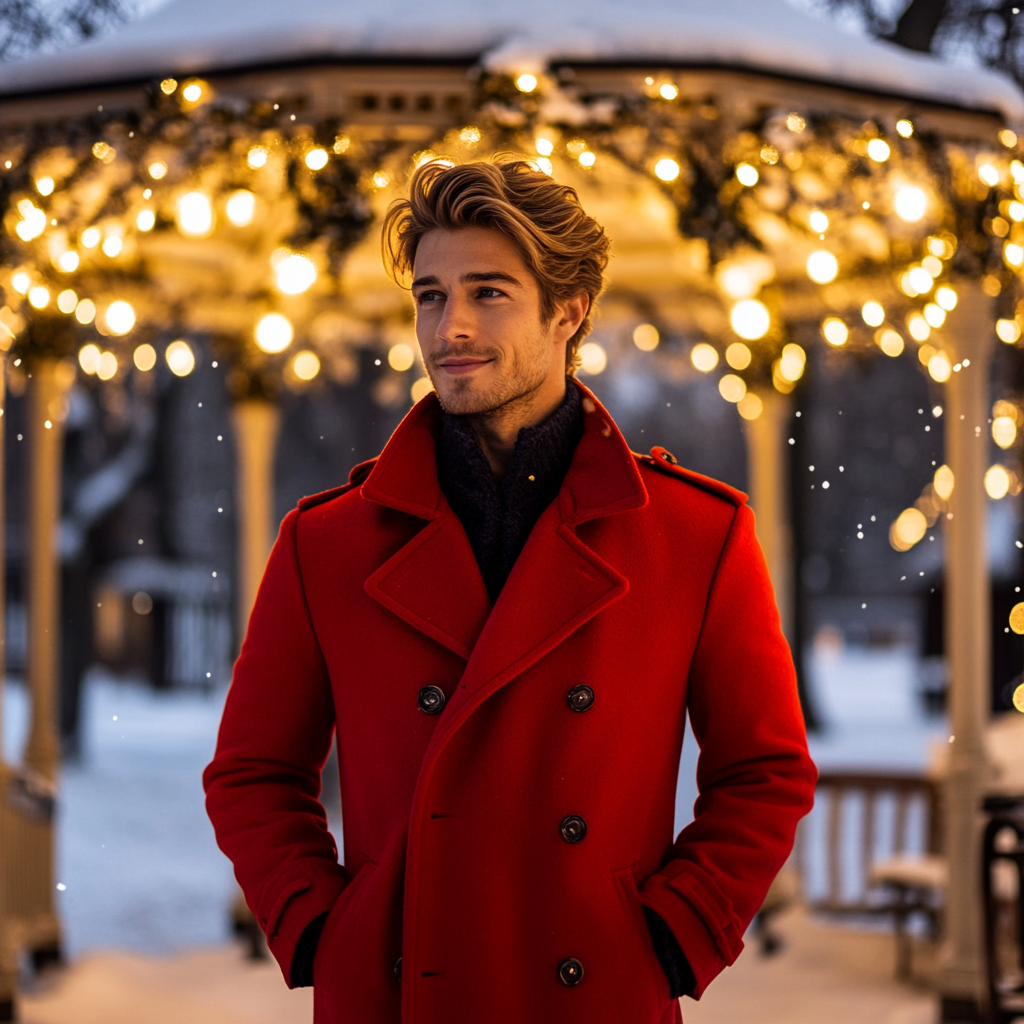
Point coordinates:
[[398, 968], [570, 972], [431, 700], [580, 698], [669, 458], [573, 829]]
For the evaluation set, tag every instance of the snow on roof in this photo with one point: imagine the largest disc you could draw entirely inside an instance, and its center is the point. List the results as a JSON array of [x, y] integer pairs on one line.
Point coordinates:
[[204, 36]]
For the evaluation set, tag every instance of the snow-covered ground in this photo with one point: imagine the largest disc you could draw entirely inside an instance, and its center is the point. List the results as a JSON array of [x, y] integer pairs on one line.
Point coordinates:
[[137, 854]]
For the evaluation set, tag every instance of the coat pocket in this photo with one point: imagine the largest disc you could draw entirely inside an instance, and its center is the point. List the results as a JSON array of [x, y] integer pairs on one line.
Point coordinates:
[[637, 942], [334, 927]]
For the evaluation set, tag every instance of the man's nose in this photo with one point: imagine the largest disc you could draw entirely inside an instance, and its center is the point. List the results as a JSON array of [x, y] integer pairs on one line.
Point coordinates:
[[456, 322]]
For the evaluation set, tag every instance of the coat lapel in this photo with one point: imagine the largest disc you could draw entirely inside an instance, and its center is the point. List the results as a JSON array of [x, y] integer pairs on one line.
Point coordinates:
[[432, 582]]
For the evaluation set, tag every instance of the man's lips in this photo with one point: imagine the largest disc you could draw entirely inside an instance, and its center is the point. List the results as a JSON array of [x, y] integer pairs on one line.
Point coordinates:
[[461, 366]]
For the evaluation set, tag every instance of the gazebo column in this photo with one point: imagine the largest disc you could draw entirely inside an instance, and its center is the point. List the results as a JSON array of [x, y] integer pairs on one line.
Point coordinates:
[[256, 425], [768, 476], [971, 330]]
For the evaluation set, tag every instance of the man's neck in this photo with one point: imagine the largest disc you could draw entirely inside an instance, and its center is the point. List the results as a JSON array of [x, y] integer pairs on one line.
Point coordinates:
[[498, 430]]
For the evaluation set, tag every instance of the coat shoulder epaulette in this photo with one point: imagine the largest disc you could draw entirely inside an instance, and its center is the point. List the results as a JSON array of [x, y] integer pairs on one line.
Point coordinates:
[[665, 462], [355, 478]]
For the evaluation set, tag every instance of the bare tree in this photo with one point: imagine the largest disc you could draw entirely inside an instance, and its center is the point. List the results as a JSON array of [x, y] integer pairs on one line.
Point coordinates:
[[990, 30], [28, 25]]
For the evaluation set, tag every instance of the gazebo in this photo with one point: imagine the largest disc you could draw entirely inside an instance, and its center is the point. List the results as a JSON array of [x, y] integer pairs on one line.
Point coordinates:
[[770, 183]]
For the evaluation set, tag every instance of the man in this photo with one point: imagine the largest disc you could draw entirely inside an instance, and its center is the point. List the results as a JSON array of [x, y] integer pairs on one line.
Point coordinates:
[[505, 619]]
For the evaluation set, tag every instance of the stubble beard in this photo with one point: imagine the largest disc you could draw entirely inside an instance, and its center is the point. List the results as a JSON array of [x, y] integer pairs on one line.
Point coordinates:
[[516, 382]]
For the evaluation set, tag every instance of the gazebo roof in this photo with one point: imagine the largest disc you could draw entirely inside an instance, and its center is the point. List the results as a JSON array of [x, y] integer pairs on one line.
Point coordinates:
[[205, 36]]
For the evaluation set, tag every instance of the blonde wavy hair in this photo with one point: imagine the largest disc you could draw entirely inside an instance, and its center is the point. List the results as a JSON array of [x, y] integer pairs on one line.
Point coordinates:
[[564, 248]]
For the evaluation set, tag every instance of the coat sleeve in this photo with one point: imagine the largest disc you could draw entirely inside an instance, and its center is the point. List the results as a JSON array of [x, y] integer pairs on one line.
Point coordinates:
[[754, 776], [263, 784]]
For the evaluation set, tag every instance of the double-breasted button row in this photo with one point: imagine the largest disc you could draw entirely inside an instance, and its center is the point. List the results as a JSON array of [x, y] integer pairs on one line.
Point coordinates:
[[431, 700], [580, 698], [570, 972]]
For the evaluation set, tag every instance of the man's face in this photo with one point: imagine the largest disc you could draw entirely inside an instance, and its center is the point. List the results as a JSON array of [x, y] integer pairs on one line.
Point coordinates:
[[478, 321]]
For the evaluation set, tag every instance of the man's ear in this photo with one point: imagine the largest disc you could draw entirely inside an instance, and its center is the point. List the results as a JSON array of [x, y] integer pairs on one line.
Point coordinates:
[[570, 314]]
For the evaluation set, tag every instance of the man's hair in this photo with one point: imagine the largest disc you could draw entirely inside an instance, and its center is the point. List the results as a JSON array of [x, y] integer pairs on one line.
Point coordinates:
[[565, 249]]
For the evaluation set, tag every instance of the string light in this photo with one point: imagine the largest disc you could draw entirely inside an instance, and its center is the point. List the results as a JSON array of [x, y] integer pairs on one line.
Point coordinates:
[[738, 356], [668, 91], [792, 362], [939, 367], [919, 328], [306, 365], [85, 311], [704, 357], [1008, 331], [67, 300], [257, 157], [294, 273], [878, 150], [818, 221], [89, 358], [905, 128], [144, 357], [944, 482], [732, 387], [890, 342], [90, 238], [119, 317], [157, 170], [168, 85], [872, 314], [746, 174], [834, 331], [39, 296], [822, 266], [526, 83], [666, 169], [194, 214], [180, 358], [21, 282], [401, 357], [593, 358], [997, 482], [910, 203], [106, 368], [316, 159], [587, 158], [646, 337], [274, 333], [1004, 431], [989, 175], [193, 92], [112, 246], [935, 315], [146, 220], [68, 261], [750, 319], [44, 186]]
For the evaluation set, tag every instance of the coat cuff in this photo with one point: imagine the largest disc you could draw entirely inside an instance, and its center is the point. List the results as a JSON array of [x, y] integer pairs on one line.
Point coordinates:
[[309, 890], [702, 954]]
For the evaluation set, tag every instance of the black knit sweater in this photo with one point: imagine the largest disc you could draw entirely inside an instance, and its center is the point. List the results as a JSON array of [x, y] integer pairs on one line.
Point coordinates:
[[498, 517]]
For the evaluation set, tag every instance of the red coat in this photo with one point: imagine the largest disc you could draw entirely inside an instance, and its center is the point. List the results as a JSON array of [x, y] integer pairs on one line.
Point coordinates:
[[643, 582]]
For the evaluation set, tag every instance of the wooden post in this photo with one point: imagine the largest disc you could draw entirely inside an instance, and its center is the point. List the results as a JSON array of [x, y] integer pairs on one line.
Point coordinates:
[[768, 476], [256, 424], [971, 331]]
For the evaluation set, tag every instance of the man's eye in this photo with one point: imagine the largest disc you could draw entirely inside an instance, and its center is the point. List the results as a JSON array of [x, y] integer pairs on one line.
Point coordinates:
[[489, 293], [428, 297]]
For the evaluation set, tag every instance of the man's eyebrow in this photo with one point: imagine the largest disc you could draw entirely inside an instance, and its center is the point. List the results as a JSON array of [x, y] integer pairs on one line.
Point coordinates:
[[488, 275], [420, 281]]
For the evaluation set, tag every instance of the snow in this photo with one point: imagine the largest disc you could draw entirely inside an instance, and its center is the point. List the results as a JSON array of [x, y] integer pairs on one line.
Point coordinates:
[[202, 36]]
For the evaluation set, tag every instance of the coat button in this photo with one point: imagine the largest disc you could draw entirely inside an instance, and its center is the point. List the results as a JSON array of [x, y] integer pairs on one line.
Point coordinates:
[[574, 830], [398, 968], [580, 698], [570, 972], [431, 700], [669, 458]]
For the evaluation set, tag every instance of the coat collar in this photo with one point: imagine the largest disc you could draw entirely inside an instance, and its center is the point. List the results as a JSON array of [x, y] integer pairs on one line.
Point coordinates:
[[433, 582]]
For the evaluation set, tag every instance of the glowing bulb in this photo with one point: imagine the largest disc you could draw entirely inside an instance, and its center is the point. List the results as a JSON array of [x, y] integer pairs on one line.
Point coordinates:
[[120, 317], [750, 319], [526, 83], [989, 175], [593, 358], [144, 357], [920, 329], [943, 482], [89, 358], [168, 85], [834, 331], [33, 222], [878, 150], [305, 365], [1016, 211], [90, 238], [750, 406], [1008, 138], [157, 170], [935, 315], [792, 362], [316, 160], [872, 314], [544, 146], [21, 282], [933, 265], [192, 92], [420, 389], [946, 298], [738, 356], [704, 357], [1008, 331], [106, 368], [732, 387], [68, 261], [646, 337], [274, 333], [997, 482], [112, 246], [257, 157], [195, 214], [240, 207], [1004, 431], [587, 159], [295, 274], [822, 266], [381, 179], [39, 297], [145, 220], [668, 91], [1013, 254], [401, 357], [905, 128], [939, 367], [910, 203], [890, 342], [544, 164], [795, 123], [67, 300], [179, 358], [909, 528], [85, 311], [666, 169], [920, 280], [44, 186], [746, 174], [818, 222]]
